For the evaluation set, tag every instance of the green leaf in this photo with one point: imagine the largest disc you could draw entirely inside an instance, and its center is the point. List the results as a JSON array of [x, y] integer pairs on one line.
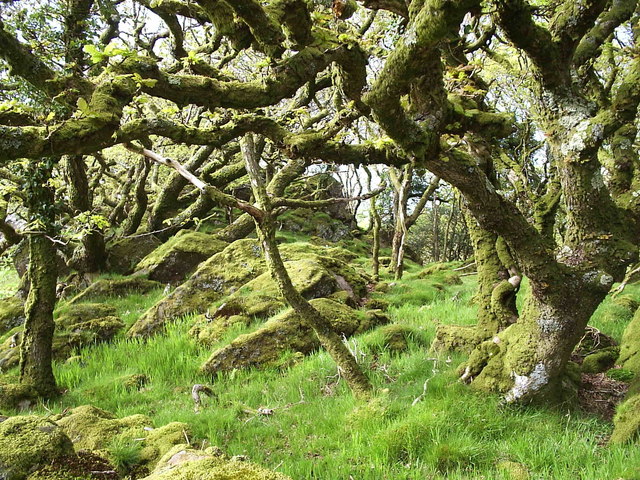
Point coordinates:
[[83, 106], [95, 53]]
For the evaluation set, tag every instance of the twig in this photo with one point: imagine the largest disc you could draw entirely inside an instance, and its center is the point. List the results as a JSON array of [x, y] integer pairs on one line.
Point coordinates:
[[465, 267], [426, 382]]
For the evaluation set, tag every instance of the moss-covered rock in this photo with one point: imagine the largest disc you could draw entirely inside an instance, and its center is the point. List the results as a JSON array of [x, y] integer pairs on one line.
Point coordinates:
[[630, 346], [135, 381], [161, 440], [91, 428], [11, 313], [313, 277], [396, 337], [376, 303], [218, 276], [94, 429], [17, 396], [314, 223], [116, 288], [124, 254], [85, 465], [83, 312], [10, 348], [185, 463], [208, 329], [627, 421], [21, 259], [174, 260], [238, 264], [600, 361], [77, 326], [286, 332], [29, 442]]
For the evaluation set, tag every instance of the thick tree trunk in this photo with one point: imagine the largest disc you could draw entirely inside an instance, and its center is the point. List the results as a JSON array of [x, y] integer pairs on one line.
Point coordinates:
[[527, 361], [35, 352], [37, 338]]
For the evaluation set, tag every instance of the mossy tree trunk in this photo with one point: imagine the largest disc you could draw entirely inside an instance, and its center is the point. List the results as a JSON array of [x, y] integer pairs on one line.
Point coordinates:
[[36, 348], [141, 198], [496, 296], [376, 223], [92, 256], [266, 226]]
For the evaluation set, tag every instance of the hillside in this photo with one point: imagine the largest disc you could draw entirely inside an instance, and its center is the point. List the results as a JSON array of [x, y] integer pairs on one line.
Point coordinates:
[[267, 396]]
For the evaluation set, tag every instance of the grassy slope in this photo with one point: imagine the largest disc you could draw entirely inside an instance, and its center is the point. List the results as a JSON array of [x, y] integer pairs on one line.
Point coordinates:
[[318, 431]]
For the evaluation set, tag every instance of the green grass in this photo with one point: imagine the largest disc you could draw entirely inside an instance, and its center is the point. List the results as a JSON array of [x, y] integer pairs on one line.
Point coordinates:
[[318, 430], [9, 282]]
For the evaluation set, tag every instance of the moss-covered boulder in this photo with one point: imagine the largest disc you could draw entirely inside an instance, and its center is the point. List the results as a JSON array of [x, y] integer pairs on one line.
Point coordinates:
[[314, 223], [17, 396], [124, 254], [91, 428], [218, 276], [239, 263], [116, 287], [11, 313], [208, 329], [630, 346], [628, 302], [174, 260], [94, 429], [21, 259], [28, 443], [83, 312], [627, 421], [600, 361], [84, 465], [77, 326], [186, 463], [286, 332], [396, 337], [314, 277]]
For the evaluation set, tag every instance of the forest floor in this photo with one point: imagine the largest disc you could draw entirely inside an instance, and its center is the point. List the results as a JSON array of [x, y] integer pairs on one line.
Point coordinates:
[[301, 420]]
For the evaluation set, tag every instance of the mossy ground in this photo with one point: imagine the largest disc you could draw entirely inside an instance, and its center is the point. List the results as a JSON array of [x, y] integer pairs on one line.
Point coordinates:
[[318, 431]]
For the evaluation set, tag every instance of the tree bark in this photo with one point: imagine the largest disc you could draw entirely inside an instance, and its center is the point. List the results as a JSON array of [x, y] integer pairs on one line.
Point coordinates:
[[141, 199], [92, 256], [37, 339]]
